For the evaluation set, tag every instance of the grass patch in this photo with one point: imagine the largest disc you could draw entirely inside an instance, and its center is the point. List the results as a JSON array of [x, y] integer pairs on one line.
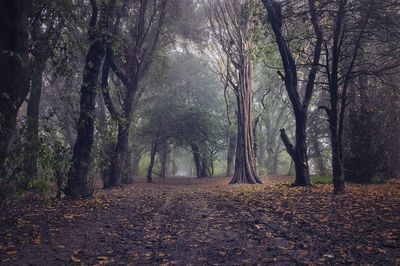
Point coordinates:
[[321, 179]]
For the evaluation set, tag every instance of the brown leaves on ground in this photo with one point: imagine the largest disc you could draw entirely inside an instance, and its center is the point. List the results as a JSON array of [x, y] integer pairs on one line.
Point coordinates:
[[205, 221]]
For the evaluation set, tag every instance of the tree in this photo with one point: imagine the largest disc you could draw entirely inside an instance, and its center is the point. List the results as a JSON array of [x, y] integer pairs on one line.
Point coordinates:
[[231, 25], [14, 68], [298, 152], [77, 184], [47, 35], [144, 38], [353, 29]]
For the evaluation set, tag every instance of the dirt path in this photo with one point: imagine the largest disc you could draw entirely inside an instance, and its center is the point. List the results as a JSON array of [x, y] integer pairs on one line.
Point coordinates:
[[189, 221]]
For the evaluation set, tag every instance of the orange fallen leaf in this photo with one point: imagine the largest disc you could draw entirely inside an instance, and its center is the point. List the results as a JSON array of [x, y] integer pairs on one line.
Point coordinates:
[[12, 252], [68, 216]]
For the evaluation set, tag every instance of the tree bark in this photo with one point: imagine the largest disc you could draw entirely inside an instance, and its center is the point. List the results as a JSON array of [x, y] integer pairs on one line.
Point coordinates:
[[164, 161], [14, 68], [77, 184], [31, 154], [319, 162], [231, 154], [245, 165], [197, 159], [298, 152], [119, 156], [152, 159]]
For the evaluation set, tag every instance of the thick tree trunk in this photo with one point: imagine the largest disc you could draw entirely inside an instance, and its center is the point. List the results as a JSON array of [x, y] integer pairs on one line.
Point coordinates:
[[77, 184], [14, 68], [231, 155], [31, 154], [245, 165]]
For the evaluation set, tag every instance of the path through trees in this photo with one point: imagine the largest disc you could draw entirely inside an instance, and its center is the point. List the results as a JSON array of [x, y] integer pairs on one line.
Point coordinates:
[[187, 220]]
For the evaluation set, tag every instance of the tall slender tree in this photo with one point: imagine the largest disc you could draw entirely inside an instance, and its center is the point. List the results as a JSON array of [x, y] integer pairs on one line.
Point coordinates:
[[77, 184], [297, 152]]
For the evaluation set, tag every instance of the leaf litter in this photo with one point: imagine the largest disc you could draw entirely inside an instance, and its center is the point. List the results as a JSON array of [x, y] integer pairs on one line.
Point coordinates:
[[205, 221]]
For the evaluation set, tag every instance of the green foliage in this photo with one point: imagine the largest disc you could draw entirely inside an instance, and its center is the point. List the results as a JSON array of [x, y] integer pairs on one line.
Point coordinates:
[[318, 179]]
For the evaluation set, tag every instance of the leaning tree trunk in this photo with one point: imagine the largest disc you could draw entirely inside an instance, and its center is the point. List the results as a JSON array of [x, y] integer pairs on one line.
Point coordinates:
[[245, 166], [31, 152], [77, 184], [14, 68], [231, 154]]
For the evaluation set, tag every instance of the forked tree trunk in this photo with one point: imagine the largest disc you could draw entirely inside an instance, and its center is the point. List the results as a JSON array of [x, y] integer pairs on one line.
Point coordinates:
[[230, 169], [298, 152]]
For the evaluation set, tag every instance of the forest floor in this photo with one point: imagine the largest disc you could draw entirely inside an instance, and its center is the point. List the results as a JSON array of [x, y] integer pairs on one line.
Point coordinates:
[[204, 221]]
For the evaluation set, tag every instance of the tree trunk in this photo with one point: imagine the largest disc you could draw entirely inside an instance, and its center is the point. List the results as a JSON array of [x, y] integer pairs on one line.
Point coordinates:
[[152, 159], [337, 166], [197, 159], [300, 158], [245, 166], [333, 119], [164, 161], [77, 184], [275, 161], [319, 162], [31, 154], [298, 152], [205, 168], [14, 68], [119, 156], [231, 154]]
